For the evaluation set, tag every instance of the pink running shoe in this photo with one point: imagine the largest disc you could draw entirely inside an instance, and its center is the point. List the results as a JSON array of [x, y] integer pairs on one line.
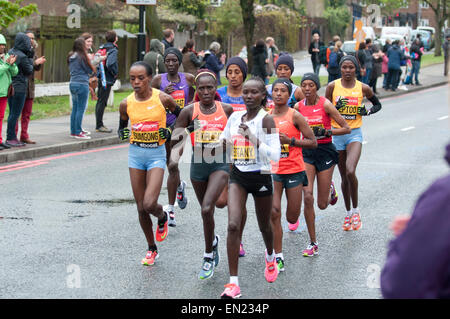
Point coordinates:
[[231, 291], [311, 250], [334, 195], [150, 258], [241, 250], [271, 271], [293, 227]]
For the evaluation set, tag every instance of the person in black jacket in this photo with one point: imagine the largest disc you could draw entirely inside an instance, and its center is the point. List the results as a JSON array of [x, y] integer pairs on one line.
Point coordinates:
[[314, 49], [259, 60], [416, 56], [24, 53], [111, 72]]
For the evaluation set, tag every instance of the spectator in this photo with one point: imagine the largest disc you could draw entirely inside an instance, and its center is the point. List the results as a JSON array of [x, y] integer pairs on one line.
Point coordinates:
[[384, 68], [418, 259], [377, 67], [243, 54], [259, 54], [369, 61], [23, 51], [8, 69], [335, 57], [272, 52], [81, 69], [395, 56], [95, 59], [361, 56], [111, 72], [314, 49], [169, 37], [28, 105], [387, 46], [191, 59], [446, 49], [213, 62], [155, 57], [416, 56]]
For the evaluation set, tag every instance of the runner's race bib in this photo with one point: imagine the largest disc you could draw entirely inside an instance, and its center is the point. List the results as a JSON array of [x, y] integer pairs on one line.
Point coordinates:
[[351, 110], [145, 134], [239, 107], [179, 98], [315, 121], [284, 151], [243, 151]]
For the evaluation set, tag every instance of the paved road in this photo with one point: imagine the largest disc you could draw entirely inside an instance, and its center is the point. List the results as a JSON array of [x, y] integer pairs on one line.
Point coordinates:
[[69, 226]]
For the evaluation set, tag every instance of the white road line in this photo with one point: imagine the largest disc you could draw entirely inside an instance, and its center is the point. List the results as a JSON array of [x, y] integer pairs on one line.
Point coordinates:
[[442, 118], [408, 128], [364, 142]]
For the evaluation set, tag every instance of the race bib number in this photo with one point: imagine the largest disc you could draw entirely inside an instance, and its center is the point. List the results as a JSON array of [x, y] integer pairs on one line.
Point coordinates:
[[270, 105], [284, 151], [145, 134], [211, 138], [243, 151], [351, 110], [179, 98]]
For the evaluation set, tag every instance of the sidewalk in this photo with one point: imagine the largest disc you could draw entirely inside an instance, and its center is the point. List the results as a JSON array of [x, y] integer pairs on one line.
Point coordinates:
[[53, 135]]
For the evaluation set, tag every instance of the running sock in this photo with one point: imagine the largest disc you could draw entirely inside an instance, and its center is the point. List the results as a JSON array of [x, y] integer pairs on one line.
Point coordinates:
[[152, 248], [350, 213], [208, 255], [234, 280], [215, 241], [170, 208], [162, 221], [355, 210], [271, 257]]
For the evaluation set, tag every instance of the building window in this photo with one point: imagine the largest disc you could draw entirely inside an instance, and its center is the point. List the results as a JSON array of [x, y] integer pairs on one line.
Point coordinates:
[[424, 5], [424, 22]]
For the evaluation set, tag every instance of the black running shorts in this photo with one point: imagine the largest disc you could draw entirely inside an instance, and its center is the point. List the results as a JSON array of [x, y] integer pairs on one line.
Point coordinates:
[[255, 183]]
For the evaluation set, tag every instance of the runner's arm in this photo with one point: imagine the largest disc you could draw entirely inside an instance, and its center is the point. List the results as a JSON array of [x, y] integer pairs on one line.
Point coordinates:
[[376, 104], [179, 134], [309, 140], [123, 131], [329, 91], [156, 82], [169, 103], [335, 115], [271, 150]]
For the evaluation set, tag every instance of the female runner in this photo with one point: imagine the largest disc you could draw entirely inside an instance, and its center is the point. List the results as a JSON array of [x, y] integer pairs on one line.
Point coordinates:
[[253, 141], [347, 94], [205, 121], [146, 110], [289, 173], [319, 162]]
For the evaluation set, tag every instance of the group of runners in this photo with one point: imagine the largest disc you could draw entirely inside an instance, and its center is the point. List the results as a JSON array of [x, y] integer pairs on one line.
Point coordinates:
[[246, 138]]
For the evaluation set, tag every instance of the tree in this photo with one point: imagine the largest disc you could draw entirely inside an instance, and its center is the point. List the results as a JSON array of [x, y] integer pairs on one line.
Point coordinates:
[[12, 10], [195, 7], [248, 17], [338, 16], [441, 12]]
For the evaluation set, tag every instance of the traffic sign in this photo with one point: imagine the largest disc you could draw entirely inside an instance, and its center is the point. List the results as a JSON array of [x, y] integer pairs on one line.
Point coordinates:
[[142, 2]]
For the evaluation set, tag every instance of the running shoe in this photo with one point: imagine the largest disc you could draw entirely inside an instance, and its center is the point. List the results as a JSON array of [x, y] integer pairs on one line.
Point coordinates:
[[181, 195], [162, 229], [347, 223], [271, 271], [241, 250], [150, 258], [207, 270], [231, 291], [280, 264], [334, 194], [293, 227], [171, 222], [356, 221], [311, 250], [216, 256]]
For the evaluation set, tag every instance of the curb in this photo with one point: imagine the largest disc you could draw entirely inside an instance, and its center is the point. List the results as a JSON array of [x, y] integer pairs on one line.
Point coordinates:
[[411, 90], [26, 154]]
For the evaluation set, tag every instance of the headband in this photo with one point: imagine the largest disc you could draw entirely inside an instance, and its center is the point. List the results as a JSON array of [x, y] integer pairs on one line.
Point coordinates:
[[205, 73], [285, 82]]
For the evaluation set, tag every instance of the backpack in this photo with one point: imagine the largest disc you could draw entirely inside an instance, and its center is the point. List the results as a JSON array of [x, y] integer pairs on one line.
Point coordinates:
[[333, 60], [323, 55]]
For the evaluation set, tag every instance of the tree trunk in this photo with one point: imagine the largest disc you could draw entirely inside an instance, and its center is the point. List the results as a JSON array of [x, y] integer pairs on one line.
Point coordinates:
[[248, 18], [153, 26]]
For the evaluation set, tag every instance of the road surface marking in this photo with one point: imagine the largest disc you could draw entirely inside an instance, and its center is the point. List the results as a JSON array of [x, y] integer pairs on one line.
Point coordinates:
[[442, 118], [408, 128]]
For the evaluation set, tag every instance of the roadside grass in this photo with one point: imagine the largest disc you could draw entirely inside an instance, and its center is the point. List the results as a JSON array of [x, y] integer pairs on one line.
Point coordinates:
[[430, 59]]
